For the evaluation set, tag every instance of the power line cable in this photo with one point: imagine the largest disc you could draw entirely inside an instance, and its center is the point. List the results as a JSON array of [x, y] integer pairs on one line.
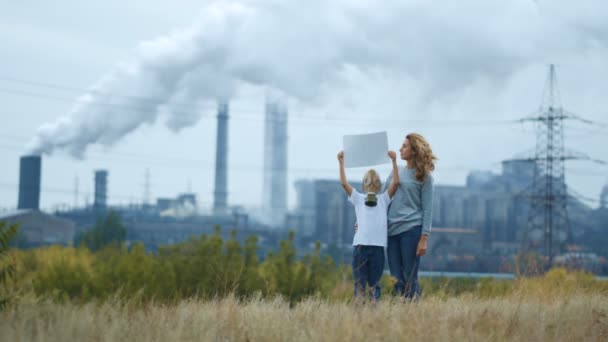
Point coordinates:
[[197, 163], [299, 118], [188, 106]]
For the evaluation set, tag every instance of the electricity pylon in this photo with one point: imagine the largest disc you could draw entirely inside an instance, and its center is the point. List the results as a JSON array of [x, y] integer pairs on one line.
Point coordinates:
[[548, 227]]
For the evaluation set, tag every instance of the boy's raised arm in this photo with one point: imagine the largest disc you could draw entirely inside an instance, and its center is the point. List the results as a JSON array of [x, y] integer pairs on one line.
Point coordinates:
[[345, 185], [392, 188]]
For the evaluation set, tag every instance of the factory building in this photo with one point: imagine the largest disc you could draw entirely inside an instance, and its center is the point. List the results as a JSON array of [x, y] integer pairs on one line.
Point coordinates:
[[37, 229], [323, 212]]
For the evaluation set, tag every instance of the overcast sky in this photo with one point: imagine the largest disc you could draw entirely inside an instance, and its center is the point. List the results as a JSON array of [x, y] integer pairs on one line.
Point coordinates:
[[132, 86]]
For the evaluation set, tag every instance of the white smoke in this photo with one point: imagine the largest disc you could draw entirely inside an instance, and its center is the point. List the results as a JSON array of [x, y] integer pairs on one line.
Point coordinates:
[[304, 49]]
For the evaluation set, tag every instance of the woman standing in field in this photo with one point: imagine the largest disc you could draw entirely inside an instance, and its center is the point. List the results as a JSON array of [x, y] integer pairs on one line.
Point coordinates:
[[410, 214]]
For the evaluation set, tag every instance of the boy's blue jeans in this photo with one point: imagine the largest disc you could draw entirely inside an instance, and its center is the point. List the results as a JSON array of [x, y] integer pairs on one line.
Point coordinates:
[[368, 266], [403, 262]]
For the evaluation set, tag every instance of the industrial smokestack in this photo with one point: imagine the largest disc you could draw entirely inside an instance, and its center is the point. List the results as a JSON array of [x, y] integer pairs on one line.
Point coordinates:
[[604, 197], [275, 161], [221, 160], [29, 182], [101, 190]]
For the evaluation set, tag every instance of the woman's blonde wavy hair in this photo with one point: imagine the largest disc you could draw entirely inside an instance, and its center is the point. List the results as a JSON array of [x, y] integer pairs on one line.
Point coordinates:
[[424, 159]]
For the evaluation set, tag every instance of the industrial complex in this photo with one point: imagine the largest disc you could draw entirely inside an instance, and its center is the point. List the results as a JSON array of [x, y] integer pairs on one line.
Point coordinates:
[[476, 227]]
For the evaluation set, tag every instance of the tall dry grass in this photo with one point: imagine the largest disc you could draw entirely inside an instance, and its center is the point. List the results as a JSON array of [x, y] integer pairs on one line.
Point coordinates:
[[578, 316], [74, 295]]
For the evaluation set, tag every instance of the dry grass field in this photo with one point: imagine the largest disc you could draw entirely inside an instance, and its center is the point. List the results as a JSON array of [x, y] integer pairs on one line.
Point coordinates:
[[66, 294], [518, 316]]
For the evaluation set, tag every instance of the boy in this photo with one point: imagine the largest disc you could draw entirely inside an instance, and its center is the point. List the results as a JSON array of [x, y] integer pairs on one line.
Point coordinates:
[[371, 236]]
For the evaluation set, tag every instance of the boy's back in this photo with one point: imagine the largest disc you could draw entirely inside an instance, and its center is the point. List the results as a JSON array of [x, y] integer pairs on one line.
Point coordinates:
[[372, 221]]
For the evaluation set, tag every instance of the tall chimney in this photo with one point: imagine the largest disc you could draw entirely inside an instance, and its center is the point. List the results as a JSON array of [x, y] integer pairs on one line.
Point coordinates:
[[101, 190], [221, 160], [274, 195], [604, 197], [29, 182]]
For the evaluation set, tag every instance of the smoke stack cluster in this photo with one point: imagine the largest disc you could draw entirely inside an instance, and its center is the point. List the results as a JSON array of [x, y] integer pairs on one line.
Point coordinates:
[[29, 182]]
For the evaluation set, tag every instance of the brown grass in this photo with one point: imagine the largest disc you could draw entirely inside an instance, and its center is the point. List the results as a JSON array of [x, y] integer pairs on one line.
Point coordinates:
[[516, 317]]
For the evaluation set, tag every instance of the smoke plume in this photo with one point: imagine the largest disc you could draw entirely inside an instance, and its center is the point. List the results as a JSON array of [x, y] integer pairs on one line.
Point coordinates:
[[305, 49]]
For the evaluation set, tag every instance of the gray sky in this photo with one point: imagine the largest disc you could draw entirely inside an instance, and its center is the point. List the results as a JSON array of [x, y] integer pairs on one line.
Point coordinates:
[[130, 87]]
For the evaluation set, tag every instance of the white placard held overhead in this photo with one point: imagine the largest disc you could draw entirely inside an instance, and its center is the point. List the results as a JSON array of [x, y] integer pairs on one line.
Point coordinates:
[[365, 149]]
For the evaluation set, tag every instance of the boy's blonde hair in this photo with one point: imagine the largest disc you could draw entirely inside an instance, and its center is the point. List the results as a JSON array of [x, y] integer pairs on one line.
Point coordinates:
[[372, 182]]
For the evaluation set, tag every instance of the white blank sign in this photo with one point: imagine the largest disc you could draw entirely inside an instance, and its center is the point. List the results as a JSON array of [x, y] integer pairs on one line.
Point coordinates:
[[365, 149]]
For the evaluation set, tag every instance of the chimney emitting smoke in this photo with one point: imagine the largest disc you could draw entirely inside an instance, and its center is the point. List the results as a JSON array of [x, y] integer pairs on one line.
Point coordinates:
[[221, 160]]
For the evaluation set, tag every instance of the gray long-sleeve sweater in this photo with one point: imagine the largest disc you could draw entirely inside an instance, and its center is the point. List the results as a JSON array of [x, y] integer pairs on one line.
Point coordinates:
[[412, 204]]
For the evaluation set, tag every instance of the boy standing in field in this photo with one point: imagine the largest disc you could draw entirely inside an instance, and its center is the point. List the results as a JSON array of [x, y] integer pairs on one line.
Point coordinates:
[[371, 236]]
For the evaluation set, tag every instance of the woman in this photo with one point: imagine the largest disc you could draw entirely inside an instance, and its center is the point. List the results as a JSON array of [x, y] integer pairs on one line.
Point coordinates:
[[409, 215]]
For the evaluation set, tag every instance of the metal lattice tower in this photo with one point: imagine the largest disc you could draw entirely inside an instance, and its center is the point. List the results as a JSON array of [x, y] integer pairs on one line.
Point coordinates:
[[548, 229], [548, 223]]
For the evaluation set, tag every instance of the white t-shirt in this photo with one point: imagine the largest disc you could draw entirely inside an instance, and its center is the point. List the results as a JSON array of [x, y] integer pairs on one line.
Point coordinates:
[[372, 221]]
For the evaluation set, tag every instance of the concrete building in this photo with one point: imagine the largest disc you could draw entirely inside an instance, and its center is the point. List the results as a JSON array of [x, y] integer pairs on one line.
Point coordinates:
[[462, 250], [333, 214], [38, 229], [324, 213], [498, 216], [493, 204], [454, 241], [303, 219]]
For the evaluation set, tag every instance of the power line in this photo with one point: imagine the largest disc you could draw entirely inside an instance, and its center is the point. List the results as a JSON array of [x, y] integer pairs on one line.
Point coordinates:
[[548, 215], [66, 191], [189, 106], [79, 90], [70, 192], [587, 172], [575, 194], [299, 118], [172, 162]]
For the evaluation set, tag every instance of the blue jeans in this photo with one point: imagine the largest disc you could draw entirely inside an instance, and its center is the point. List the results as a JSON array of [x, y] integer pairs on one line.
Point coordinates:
[[368, 266], [403, 262]]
